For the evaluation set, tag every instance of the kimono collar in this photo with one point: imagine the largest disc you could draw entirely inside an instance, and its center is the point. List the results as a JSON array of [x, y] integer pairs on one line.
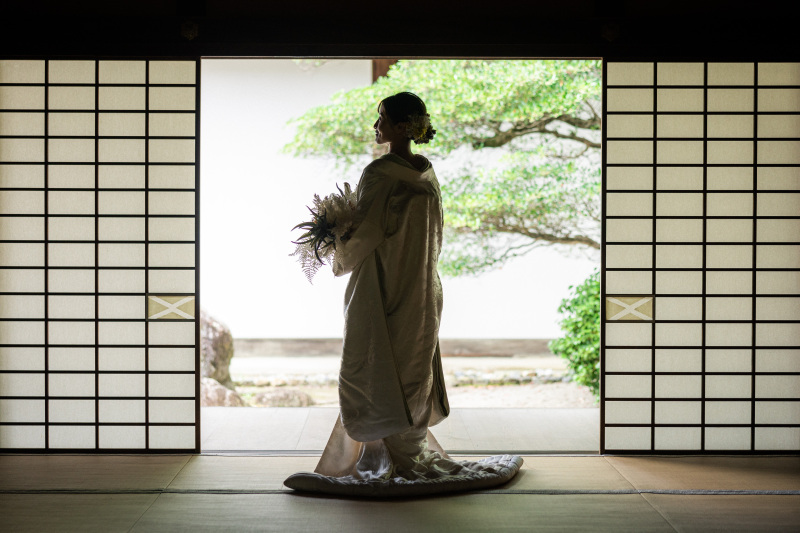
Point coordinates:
[[392, 158]]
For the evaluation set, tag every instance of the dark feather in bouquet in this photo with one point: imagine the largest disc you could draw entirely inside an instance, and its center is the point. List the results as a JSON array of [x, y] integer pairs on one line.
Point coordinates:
[[331, 224]]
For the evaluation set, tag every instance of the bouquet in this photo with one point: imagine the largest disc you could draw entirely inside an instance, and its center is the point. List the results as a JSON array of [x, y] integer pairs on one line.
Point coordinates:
[[331, 224]]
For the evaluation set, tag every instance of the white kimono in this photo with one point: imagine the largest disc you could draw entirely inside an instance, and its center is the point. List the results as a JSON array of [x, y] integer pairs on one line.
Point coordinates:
[[391, 384]]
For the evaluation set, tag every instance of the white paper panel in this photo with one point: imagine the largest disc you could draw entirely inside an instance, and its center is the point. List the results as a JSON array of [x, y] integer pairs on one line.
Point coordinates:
[[71, 176], [627, 126], [21, 123], [129, 98], [71, 280], [630, 230], [729, 152], [728, 360], [121, 202], [727, 438], [71, 358], [172, 72], [731, 100], [172, 332], [679, 230], [629, 152], [679, 256], [629, 178], [181, 359], [22, 411], [622, 438], [122, 411], [117, 358], [679, 282], [122, 71], [731, 230], [172, 255], [680, 126], [121, 177], [71, 384], [678, 334], [71, 71], [21, 97], [171, 203], [729, 256], [21, 176], [70, 306], [21, 358], [730, 178], [631, 282], [121, 255], [730, 126], [176, 385], [121, 385], [672, 386], [122, 437], [770, 230], [172, 229], [71, 332], [681, 73], [72, 437], [678, 412], [777, 283], [123, 333], [628, 360], [731, 73], [677, 438], [777, 439], [76, 124], [779, 100], [176, 411], [636, 412], [21, 228], [679, 360], [21, 254], [727, 412], [633, 386], [121, 281], [679, 308], [679, 204], [778, 360], [22, 384], [21, 71], [778, 413], [680, 100], [121, 229], [21, 150], [71, 98], [172, 177], [172, 98], [729, 334], [620, 73], [729, 204], [71, 410], [122, 124], [22, 437], [179, 437], [729, 308], [777, 386], [628, 256]]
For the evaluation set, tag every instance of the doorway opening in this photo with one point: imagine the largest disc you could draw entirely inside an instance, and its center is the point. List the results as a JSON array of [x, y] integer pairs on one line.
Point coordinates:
[[506, 387]]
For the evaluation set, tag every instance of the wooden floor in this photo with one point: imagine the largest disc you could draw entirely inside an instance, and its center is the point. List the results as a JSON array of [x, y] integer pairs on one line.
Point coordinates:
[[198, 493], [466, 430]]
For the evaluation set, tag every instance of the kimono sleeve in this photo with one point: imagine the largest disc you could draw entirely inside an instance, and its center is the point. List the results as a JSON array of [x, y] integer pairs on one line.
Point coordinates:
[[373, 190]]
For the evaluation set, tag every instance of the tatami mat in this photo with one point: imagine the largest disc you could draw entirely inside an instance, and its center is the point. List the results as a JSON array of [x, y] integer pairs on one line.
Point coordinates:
[[710, 472], [729, 513], [479, 513], [89, 472], [196, 493], [67, 513]]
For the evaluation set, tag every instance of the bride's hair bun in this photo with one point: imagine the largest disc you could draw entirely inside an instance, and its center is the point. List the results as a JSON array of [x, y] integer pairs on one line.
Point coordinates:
[[408, 107]]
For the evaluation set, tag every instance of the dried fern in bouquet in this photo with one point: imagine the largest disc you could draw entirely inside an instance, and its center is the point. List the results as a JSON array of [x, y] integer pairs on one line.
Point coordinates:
[[331, 224]]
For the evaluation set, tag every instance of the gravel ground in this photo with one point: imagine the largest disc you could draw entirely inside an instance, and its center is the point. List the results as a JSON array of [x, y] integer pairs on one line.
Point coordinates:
[[483, 373]]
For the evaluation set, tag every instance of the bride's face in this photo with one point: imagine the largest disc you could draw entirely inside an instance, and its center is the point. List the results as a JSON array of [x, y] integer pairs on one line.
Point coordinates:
[[385, 130]]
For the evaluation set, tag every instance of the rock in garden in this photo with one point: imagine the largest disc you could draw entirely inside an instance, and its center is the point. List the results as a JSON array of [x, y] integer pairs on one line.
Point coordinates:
[[283, 397], [216, 348], [213, 394]]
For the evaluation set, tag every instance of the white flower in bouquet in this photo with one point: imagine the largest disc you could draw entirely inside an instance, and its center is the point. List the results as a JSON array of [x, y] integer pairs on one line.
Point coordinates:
[[331, 223]]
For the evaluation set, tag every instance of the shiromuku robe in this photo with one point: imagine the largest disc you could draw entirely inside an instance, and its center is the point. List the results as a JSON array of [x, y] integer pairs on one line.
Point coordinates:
[[391, 373]]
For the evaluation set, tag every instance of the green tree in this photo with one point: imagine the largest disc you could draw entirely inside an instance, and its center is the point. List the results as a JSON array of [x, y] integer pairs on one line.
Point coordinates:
[[580, 345], [525, 131]]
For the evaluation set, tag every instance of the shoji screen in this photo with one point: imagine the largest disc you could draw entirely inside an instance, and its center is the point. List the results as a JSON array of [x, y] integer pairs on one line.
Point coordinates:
[[98, 255], [701, 302]]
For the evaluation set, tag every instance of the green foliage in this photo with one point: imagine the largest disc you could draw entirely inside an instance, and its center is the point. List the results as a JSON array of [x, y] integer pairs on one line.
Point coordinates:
[[528, 131], [580, 344]]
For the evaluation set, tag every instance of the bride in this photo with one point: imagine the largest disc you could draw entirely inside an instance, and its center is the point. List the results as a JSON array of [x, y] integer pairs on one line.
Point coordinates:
[[391, 385]]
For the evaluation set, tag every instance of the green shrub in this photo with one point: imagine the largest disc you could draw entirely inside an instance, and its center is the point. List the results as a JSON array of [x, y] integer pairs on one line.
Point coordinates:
[[580, 345]]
